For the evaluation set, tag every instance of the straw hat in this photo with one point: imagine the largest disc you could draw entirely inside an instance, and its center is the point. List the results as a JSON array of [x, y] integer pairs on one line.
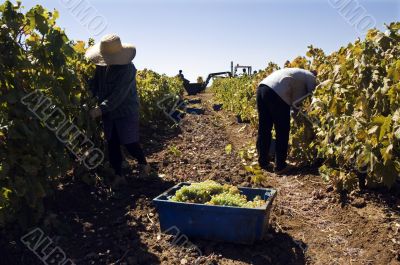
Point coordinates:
[[110, 51]]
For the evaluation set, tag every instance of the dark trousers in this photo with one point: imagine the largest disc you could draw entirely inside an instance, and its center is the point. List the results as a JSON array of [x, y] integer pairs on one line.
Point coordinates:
[[272, 111], [115, 155]]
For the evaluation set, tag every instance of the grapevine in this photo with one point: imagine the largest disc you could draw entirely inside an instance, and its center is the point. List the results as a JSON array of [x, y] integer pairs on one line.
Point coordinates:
[[353, 121], [37, 55]]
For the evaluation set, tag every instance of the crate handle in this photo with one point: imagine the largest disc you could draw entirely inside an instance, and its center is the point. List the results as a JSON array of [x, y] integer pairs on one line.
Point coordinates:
[[271, 194], [166, 193]]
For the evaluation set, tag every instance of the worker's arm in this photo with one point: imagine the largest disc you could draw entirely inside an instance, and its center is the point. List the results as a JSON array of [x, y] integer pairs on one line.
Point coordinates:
[[311, 83], [122, 88], [295, 103], [311, 87]]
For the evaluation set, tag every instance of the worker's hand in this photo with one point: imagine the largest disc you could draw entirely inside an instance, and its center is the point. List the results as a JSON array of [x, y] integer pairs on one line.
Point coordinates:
[[95, 113], [295, 111], [296, 115]]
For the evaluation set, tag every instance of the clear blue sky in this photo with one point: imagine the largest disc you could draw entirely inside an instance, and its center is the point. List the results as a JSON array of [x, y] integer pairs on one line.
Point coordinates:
[[204, 36]]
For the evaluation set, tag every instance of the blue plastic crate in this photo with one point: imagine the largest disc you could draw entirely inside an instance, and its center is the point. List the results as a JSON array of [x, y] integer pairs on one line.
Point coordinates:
[[217, 223]]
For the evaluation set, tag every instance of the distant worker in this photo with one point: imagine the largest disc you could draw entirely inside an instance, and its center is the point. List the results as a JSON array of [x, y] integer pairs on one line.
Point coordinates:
[[244, 72], [276, 94], [182, 77]]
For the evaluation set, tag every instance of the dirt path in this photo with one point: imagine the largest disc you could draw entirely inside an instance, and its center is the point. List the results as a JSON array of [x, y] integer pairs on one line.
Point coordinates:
[[309, 224]]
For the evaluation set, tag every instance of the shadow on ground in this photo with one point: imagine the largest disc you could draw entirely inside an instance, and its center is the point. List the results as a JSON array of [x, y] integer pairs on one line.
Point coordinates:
[[93, 225], [278, 248]]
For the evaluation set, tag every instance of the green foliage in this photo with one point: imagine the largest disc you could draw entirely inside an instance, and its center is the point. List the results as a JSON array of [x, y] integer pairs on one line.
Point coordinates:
[[249, 158], [36, 55], [357, 108], [211, 193], [173, 150], [153, 88]]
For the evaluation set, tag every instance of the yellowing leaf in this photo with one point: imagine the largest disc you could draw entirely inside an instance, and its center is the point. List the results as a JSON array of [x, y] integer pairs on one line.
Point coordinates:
[[384, 123], [56, 14], [373, 130], [397, 134], [228, 149], [80, 47], [387, 153]]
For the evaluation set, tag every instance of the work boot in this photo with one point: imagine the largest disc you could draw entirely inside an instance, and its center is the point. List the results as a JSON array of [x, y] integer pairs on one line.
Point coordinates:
[[266, 166], [144, 171], [283, 170], [118, 182]]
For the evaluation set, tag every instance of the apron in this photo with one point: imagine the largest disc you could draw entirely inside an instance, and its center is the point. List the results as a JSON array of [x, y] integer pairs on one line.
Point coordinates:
[[127, 129]]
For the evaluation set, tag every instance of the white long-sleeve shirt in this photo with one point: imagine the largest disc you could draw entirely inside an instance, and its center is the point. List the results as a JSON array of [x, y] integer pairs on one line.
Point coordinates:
[[291, 84]]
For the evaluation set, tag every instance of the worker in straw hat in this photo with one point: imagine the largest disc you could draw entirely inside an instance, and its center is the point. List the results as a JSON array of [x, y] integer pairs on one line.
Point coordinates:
[[114, 85]]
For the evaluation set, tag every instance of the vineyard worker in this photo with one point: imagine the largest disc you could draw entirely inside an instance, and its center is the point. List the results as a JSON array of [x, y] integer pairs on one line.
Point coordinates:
[[182, 77], [276, 94], [114, 85]]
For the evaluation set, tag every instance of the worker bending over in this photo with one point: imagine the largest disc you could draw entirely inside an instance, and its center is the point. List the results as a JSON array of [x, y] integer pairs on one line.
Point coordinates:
[[276, 94]]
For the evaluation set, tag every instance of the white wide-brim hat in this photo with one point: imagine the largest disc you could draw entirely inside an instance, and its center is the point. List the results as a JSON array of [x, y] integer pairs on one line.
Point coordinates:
[[110, 51]]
